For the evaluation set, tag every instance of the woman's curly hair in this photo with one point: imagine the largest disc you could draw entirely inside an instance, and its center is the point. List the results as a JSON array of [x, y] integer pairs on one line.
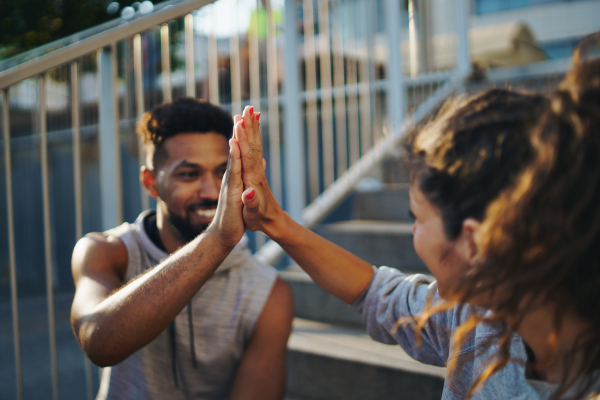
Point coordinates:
[[541, 237], [474, 149]]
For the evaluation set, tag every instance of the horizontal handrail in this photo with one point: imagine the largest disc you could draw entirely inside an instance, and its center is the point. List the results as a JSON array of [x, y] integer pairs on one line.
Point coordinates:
[[271, 252], [175, 9]]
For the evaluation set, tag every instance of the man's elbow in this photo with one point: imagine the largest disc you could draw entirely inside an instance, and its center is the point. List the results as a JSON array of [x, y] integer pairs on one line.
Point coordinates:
[[96, 344]]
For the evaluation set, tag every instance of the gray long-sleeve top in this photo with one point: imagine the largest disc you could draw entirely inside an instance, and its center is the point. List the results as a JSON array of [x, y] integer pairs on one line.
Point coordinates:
[[392, 295]]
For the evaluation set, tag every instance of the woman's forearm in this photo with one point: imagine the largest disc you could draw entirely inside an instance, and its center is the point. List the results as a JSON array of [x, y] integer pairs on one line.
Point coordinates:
[[333, 268]]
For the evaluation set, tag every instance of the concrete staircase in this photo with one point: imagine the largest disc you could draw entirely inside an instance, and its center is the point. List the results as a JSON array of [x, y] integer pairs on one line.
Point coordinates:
[[330, 355]]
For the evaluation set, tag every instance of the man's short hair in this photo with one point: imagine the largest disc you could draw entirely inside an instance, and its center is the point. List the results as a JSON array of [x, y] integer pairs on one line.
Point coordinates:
[[182, 115]]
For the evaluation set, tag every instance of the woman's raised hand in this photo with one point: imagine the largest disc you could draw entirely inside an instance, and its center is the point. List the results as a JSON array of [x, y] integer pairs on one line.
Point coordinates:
[[261, 211]]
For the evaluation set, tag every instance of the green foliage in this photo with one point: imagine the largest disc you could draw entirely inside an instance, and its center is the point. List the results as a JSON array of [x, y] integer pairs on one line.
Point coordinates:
[[27, 24]]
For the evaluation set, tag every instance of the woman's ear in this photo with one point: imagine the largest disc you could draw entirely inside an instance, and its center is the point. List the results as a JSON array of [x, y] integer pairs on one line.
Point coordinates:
[[470, 237], [148, 181]]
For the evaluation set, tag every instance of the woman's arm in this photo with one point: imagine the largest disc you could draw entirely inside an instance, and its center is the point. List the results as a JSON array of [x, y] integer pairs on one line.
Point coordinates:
[[337, 270]]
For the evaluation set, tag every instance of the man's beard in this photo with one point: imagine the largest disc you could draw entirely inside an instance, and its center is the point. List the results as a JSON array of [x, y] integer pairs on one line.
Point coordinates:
[[186, 229]]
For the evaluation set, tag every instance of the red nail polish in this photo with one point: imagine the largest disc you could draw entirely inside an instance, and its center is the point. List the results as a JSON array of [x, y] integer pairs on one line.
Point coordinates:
[[258, 116], [251, 194], [251, 110], [243, 124]]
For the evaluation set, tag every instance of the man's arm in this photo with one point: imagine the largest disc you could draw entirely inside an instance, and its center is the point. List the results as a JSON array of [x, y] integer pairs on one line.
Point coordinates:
[[336, 270], [110, 325], [261, 373]]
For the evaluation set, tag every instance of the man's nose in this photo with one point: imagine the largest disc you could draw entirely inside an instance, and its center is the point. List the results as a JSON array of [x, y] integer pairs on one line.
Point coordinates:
[[210, 188]]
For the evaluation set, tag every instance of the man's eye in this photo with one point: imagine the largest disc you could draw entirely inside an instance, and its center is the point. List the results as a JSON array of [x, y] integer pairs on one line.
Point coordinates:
[[188, 174], [222, 172]]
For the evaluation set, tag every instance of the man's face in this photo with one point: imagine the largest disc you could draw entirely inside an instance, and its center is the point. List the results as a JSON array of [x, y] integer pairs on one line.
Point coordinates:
[[189, 180]]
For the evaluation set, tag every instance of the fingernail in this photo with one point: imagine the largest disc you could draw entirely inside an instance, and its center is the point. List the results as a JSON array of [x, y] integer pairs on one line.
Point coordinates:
[[251, 110], [243, 124], [258, 116], [251, 195]]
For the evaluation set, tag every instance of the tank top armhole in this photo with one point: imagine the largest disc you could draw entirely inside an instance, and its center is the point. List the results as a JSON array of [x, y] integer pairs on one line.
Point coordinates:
[[266, 276]]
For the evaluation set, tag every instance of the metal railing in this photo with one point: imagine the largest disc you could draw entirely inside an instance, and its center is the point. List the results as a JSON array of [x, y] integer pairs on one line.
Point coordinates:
[[328, 74]]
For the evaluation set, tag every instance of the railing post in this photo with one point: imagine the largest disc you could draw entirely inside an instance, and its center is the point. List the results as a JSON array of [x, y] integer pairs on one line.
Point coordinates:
[[396, 96], [109, 138], [165, 62], [190, 74], [11, 241], [293, 141], [47, 232], [462, 13]]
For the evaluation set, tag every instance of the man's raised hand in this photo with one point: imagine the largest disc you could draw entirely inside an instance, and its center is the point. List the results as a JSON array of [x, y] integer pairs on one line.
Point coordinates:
[[261, 210], [228, 223]]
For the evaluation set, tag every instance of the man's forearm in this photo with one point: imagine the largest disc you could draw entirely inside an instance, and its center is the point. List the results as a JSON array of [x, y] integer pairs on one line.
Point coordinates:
[[136, 314], [333, 268]]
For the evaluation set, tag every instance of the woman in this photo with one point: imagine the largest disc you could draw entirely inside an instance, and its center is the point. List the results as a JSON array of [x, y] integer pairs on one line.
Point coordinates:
[[542, 238], [474, 149]]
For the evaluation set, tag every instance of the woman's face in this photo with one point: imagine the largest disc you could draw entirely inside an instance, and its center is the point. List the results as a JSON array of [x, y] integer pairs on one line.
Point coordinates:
[[446, 259]]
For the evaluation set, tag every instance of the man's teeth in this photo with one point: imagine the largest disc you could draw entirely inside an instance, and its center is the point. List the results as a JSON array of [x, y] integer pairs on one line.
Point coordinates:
[[206, 213]]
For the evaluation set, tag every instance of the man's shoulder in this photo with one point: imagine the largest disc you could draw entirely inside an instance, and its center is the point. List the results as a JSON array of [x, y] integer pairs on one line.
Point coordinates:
[[100, 242], [99, 249]]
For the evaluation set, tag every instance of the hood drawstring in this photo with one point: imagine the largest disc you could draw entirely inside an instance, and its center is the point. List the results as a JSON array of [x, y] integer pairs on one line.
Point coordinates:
[[173, 353], [192, 342], [174, 344]]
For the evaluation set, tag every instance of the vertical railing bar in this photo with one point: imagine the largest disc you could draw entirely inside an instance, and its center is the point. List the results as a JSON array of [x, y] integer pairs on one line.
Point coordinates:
[[165, 62], [254, 60], [312, 122], [11, 242], [461, 18], [190, 73], [293, 144], [76, 127], [364, 78], [236, 75], [340, 100], [254, 70], [353, 110], [139, 103], [396, 91], [273, 105], [47, 232], [326, 99], [213, 62], [117, 131]]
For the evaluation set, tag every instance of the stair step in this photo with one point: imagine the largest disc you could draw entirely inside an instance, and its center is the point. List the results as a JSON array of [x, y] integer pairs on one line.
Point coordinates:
[[327, 361], [314, 303], [388, 243], [387, 204]]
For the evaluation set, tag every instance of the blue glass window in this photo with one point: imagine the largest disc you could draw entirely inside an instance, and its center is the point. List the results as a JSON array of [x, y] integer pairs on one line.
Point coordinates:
[[490, 6]]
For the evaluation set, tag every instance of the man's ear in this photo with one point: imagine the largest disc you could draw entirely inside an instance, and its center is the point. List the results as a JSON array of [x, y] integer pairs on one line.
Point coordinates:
[[148, 181], [470, 237]]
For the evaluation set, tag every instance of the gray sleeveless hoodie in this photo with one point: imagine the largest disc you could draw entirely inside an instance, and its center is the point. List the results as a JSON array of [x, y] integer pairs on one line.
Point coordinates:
[[198, 355]]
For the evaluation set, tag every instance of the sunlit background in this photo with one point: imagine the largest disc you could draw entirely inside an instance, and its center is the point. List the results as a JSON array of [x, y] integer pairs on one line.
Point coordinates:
[[336, 80]]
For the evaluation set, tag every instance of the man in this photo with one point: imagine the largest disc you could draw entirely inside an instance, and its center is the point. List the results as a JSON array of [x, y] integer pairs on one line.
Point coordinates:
[[207, 321]]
